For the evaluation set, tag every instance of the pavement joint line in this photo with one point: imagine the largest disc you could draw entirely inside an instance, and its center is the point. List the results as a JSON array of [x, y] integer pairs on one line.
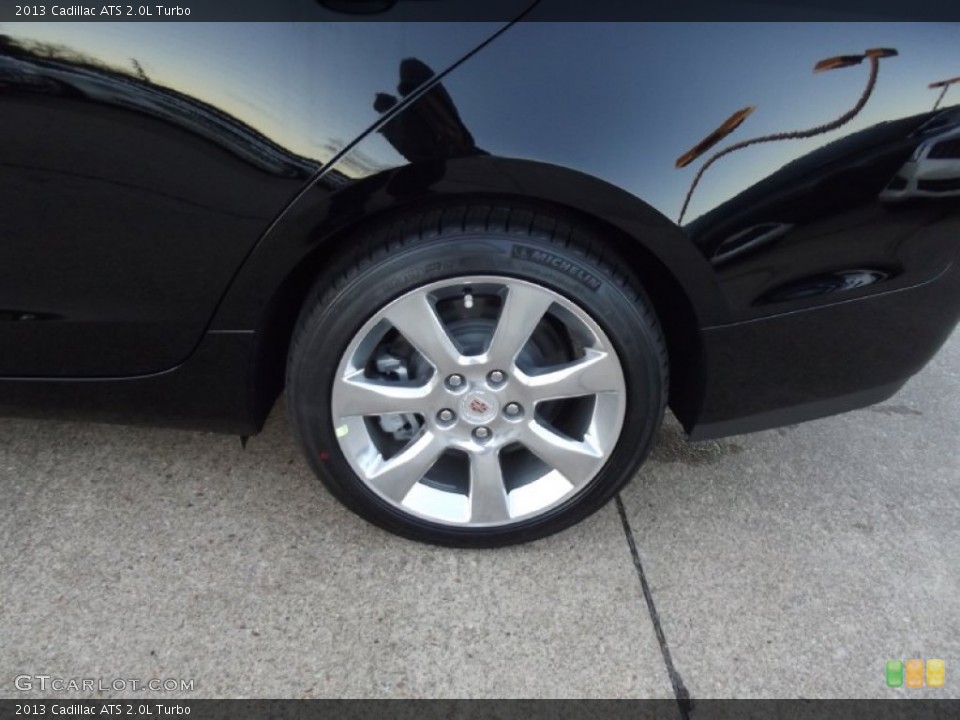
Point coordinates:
[[684, 702]]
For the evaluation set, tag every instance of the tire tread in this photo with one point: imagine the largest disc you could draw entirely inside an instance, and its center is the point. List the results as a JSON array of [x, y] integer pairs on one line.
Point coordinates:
[[372, 244]]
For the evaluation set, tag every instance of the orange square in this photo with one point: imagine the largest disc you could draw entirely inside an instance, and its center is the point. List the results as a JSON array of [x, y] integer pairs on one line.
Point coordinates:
[[914, 673], [935, 673]]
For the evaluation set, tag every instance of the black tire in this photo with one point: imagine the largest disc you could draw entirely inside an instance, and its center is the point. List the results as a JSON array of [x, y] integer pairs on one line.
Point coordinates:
[[543, 248]]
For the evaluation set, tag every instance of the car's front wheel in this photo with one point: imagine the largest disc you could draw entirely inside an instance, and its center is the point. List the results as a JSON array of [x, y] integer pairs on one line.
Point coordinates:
[[477, 376]]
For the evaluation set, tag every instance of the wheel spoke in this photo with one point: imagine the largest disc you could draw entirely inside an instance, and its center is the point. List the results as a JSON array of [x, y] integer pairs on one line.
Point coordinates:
[[488, 496], [415, 318], [362, 396], [521, 313], [596, 372], [443, 388], [397, 476], [575, 460]]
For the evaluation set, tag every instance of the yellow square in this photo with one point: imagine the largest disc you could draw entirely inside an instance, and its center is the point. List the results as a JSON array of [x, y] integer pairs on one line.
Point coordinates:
[[914, 673], [936, 671]]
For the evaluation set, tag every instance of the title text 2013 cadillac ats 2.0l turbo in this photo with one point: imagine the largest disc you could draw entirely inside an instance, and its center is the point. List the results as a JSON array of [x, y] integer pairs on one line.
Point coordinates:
[[480, 259]]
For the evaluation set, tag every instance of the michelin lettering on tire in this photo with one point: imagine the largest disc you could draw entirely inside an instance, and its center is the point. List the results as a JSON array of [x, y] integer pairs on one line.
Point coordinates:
[[563, 265]]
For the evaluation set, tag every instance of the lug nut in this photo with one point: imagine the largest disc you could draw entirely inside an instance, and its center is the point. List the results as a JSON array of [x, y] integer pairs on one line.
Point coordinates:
[[512, 409], [497, 376], [481, 433], [446, 416], [455, 381]]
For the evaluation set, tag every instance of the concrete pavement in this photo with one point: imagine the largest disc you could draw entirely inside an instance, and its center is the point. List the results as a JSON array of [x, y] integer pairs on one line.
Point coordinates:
[[790, 563]]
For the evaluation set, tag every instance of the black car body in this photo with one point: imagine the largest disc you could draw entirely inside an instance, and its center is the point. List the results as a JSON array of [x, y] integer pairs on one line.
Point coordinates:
[[171, 193]]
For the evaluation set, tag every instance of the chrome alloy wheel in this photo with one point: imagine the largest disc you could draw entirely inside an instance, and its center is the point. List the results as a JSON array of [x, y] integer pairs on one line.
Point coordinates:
[[478, 401]]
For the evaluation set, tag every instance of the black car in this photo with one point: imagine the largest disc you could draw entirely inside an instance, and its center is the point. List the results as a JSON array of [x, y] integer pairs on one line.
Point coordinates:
[[480, 259]]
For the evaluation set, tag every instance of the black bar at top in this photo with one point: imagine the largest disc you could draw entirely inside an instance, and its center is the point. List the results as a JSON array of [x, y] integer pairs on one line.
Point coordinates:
[[483, 10]]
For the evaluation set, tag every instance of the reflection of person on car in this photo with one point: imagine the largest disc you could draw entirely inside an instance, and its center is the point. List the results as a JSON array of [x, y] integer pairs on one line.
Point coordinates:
[[431, 128]]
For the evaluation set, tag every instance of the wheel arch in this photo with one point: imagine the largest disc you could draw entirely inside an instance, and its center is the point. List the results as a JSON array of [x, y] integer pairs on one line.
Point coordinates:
[[273, 284]]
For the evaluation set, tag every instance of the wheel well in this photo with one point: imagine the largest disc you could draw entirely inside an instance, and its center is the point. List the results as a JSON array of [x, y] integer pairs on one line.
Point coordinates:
[[670, 301]]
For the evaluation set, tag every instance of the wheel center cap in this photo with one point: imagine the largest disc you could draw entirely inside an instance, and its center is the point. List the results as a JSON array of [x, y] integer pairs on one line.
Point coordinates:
[[479, 407]]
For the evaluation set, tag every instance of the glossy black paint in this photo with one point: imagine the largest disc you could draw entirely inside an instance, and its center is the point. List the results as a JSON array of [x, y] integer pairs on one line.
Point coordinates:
[[172, 230], [138, 199], [133, 209]]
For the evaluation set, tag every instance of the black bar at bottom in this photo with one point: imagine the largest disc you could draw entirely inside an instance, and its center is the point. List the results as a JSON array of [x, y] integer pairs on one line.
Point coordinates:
[[919, 709]]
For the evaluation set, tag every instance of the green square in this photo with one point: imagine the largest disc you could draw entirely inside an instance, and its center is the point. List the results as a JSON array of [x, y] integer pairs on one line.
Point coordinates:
[[894, 673]]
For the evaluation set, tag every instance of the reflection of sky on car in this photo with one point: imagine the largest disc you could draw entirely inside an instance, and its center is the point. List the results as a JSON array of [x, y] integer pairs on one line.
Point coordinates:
[[668, 117], [313, 108], [244, 69]]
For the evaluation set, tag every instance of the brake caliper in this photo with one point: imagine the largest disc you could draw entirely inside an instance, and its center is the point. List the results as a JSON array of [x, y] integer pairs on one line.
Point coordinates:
[[402, 426]]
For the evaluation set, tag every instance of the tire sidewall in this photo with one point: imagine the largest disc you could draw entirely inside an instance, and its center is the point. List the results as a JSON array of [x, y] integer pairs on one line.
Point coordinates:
[[325, 334]]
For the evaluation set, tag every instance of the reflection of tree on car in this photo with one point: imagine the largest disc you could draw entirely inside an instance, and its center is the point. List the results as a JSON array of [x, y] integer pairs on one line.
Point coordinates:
[[874, 55], [945, 85]]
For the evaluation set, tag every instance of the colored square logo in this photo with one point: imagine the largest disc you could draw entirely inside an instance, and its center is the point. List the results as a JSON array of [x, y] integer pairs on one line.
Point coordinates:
[[914, 673], [936, 671], [894, 673]]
